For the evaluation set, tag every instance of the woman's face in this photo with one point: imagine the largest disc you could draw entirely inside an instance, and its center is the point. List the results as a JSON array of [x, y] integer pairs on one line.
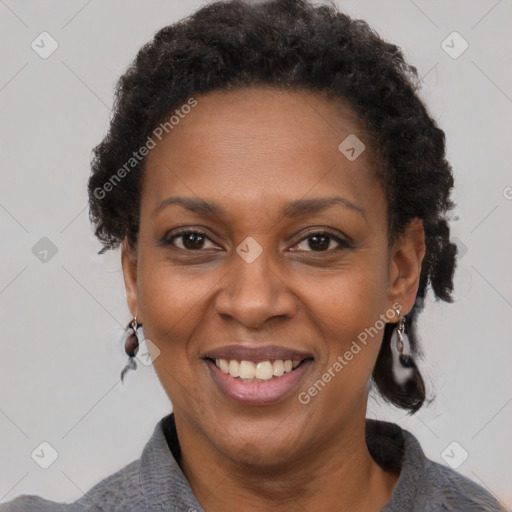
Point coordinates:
[[290, 261]]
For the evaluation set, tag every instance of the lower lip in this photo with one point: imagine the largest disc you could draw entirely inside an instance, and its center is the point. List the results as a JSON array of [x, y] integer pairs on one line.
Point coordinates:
[[258, 393]]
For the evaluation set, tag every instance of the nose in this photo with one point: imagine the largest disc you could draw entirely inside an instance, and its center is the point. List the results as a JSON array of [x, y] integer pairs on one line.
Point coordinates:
[[253, 293]]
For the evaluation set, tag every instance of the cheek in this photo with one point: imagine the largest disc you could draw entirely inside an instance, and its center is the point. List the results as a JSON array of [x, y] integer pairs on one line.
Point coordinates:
[[172, 306], [170, 298], [348, 300], [349, 311]]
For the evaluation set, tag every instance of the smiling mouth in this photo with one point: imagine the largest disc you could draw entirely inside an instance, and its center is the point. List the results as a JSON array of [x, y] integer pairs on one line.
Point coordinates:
[[260, 371]]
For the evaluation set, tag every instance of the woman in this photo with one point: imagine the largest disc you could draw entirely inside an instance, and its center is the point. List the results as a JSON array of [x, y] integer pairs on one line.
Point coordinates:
[[279, 194]]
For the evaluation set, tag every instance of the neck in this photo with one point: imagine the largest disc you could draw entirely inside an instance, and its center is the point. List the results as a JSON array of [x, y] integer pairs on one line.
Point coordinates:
[[337, 473]]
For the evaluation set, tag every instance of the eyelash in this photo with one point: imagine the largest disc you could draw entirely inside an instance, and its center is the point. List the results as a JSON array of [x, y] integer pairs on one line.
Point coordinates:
[[343, 244]]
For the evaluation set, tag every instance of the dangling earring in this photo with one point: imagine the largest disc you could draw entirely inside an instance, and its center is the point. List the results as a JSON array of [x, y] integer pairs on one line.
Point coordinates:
[[131, 345], [402, 365]]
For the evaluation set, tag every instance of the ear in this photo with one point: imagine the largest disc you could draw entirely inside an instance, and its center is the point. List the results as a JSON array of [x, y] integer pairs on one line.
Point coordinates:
[[407, 254], [129, 264]]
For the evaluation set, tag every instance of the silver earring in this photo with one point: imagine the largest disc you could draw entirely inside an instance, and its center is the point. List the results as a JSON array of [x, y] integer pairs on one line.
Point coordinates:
[[402, 363]]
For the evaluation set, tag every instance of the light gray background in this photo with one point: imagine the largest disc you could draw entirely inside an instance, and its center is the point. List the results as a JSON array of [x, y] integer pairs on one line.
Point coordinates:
[[62, 320]]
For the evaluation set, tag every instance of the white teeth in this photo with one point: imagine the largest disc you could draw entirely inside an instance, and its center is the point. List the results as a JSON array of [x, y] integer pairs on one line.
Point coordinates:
[[247, 370], [278, 368], [234, 368], [223, 365], [263, 370]]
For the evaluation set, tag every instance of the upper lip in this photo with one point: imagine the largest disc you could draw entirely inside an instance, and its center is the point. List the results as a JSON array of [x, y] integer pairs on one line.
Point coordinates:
[[256, 353]]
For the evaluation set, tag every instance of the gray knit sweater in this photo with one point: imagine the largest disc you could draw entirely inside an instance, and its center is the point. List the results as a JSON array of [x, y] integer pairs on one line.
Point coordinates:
[[155, 482]]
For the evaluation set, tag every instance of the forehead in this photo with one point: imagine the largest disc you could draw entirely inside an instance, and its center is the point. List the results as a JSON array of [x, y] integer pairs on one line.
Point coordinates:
[[259, 143]]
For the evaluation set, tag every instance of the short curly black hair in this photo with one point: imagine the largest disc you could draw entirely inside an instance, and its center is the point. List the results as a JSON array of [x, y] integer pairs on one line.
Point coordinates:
[[289, 44]]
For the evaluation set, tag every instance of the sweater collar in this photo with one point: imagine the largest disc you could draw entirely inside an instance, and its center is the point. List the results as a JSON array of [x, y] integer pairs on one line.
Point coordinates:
[[164, 485], [397, 449], [166, 488]]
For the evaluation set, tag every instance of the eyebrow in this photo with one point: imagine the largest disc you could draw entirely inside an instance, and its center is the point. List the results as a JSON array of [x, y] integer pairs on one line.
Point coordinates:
[[296, 208]]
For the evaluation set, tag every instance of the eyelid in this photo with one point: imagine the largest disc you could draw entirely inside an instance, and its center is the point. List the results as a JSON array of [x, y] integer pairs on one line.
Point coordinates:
[[342, 242], [168, 239]]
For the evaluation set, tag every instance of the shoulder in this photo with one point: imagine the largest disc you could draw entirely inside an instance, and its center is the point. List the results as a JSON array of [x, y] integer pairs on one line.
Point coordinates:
[[152, 482], [32, 503], [454, 491], [426, 485], [119, 491]]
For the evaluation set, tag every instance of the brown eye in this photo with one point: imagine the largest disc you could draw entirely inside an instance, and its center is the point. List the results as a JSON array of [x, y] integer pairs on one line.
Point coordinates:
[[320, 242], [190, 240]]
